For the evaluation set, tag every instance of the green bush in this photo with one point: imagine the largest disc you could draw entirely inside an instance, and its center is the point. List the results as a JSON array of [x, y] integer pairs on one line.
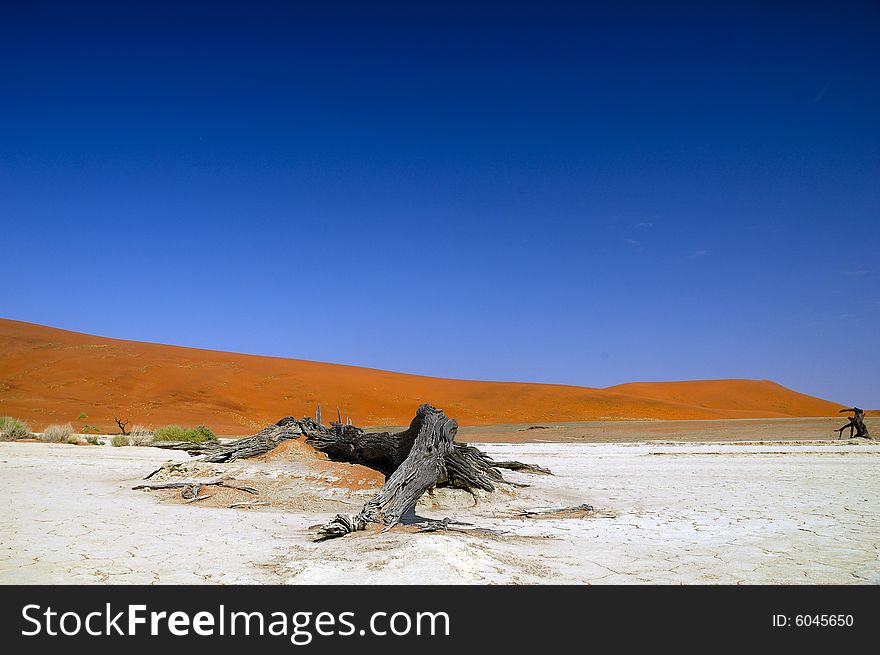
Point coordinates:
[[170, 433], [119, 440], [94, 441], [198, 434], [57, 433], [203, 433], [73, 439], [82, 416], [12, 429]]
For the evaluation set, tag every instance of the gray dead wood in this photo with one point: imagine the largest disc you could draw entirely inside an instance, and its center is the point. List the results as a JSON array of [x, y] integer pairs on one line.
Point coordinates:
[[578, 511], [469, 467], [448, 525], [191, 487], [423, 456], [525, 468], [432, 459], [190, 491], [856, 425]]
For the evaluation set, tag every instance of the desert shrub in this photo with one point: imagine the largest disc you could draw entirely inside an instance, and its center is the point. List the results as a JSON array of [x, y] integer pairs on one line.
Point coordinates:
[[94, 441], [177, 433], [57, 433], [119, 440], [89, 428], [73, 439], [203, 433], [82, 416], [141, 436], [171, 433], [12, 429]]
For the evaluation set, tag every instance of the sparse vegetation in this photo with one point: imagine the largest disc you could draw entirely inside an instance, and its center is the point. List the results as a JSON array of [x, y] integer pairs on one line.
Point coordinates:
[[73, 439], [204, 433], [141, 436], [198, 434], [85, 429], [119, 440], [57, 433], [82, 416], [94, 441], [13, 428]]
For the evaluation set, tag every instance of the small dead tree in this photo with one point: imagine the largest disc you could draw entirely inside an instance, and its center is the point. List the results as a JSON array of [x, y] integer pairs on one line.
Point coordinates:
[[856, 424], [423, 456], [122, 424]]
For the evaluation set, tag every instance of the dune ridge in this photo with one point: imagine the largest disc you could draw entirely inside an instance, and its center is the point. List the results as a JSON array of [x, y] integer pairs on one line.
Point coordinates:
[[48, 375]]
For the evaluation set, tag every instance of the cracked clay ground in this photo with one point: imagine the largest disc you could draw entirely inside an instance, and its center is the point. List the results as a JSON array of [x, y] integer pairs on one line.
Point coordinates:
[[688, 513]]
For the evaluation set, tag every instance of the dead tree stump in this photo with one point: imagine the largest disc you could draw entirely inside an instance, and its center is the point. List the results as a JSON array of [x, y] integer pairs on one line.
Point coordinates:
[[430, 458], [856, 424], [424, 455]]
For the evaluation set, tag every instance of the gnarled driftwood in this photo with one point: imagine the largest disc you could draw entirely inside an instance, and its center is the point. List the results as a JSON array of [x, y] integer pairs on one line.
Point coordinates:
[[424, 455], [430, 458], [856, 424]]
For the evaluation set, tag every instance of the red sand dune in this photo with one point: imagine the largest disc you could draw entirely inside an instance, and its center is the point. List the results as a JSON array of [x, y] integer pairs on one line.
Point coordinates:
[[49, 376]]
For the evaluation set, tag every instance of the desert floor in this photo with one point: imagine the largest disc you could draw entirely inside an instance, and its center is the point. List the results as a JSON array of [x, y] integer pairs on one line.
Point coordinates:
[[629, 431], [690, 512]]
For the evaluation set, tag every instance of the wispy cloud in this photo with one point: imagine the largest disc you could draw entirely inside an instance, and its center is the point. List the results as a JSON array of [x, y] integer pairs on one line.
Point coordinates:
[[821, 93], [857, 273], [633, 243], [698, 254], [643, 225]]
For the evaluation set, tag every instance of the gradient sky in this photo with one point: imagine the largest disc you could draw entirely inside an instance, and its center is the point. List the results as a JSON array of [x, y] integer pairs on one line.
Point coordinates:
[[551, 193]]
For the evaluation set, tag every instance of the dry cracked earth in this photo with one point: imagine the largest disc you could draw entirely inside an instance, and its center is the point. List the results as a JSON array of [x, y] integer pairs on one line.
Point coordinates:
[[759, 512]]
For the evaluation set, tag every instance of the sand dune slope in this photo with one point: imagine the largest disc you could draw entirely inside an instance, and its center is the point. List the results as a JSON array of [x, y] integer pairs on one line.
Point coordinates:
[[49, 375]]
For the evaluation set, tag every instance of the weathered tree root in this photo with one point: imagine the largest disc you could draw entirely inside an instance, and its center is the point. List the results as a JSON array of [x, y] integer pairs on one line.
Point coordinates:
[[578, 511], [856, 425], [380, 451], [448, 525], [525, 468], [191, 487], [432, 459], [190, 491], [423, 456], [341, 525]]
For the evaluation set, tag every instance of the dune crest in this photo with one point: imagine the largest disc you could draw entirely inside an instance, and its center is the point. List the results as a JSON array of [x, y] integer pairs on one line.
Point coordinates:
[[49, 375]]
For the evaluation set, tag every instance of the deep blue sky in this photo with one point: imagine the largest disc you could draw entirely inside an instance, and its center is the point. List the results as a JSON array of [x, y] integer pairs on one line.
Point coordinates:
[[552, 193]]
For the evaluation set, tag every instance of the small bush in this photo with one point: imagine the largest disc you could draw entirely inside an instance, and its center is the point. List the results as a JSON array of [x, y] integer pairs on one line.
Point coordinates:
[[198, 434], [73, 439], [171, 433], [119, 440], [57, 433], [141, 436], [89, 428], [203, 433], [82, 416], [94, 441], [12, 429]]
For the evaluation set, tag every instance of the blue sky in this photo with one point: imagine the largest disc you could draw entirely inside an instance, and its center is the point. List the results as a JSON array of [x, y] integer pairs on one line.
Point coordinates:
[[552, 193]]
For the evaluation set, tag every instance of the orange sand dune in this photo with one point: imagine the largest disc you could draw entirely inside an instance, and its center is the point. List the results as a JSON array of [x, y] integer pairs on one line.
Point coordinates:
[[49, 375]]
